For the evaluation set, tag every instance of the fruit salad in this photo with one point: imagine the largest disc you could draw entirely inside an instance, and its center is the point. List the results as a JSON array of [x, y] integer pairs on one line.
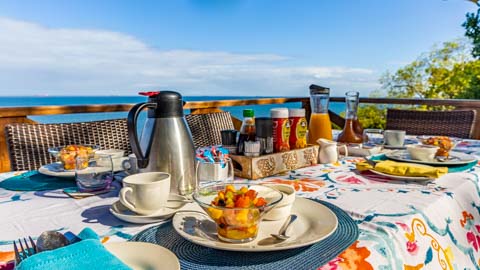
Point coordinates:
[[69, 153], [444, 143], [237, 212]]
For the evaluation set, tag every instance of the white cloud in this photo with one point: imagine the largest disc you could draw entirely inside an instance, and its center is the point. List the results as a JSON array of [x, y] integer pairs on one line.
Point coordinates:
[[37, 60]]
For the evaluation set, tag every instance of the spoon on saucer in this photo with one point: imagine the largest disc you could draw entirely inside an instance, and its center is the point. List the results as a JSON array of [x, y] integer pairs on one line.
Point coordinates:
[[282, 233]]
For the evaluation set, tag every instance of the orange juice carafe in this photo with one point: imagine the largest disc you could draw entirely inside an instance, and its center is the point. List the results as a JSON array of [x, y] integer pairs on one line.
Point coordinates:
[[320, 125], [348, 134]]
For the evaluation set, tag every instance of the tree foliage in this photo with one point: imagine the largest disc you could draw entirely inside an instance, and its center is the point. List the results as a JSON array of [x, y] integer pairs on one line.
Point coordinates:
[[472, 29], [445, 72]]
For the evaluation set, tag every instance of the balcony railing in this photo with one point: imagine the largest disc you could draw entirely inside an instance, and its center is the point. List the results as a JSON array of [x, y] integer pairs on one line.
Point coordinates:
[[9, 115]]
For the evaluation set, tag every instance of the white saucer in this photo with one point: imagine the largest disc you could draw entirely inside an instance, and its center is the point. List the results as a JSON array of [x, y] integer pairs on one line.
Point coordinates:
[[123, 213], [56, 169], [314, 223], [140, 255]]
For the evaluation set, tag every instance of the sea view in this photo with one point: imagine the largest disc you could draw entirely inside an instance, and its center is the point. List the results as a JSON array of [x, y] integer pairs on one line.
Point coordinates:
[[260, 110]]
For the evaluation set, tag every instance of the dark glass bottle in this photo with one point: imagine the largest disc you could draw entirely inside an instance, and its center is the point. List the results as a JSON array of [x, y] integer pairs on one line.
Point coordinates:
[[247, 131]]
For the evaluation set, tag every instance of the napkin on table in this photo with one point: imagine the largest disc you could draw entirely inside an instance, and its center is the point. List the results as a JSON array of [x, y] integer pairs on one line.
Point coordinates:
[[403, 169], [89, 253]]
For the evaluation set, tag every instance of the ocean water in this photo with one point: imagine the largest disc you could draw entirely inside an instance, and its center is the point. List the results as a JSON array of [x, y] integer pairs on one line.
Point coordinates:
[[260, 110]]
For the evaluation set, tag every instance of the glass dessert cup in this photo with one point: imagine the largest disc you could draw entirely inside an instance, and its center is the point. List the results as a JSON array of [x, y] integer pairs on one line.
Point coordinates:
[[444, 143], [68, 153], [237, 224]]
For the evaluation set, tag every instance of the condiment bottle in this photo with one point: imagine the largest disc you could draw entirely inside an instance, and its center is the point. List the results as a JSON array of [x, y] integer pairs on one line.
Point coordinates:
[[280, 129], [298, 128], [348, 134], [319, 125], [247, 131], [263, 127]]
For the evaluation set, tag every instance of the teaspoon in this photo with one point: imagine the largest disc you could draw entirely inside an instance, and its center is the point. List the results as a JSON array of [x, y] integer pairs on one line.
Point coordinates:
[[282, 232]]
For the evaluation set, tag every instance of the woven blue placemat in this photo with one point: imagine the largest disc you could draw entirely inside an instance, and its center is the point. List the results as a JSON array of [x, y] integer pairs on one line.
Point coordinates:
[[197, 257]]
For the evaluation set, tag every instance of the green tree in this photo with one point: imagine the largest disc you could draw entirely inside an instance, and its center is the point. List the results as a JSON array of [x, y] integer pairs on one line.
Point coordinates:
[[445, 72], [472, 29]]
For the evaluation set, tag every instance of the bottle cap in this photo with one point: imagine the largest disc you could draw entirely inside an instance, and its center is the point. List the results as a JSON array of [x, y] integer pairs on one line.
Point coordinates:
[[248, 113], [317, 89], [263, 127], [296, 112], [279, 113]]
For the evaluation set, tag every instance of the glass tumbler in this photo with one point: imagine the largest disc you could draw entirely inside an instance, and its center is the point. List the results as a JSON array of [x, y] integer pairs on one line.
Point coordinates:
[[372, 137], [94, 173], [214, 172]]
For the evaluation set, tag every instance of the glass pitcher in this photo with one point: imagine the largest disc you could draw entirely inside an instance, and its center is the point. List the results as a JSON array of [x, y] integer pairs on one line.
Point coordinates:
[[348, 134], [320, 125]]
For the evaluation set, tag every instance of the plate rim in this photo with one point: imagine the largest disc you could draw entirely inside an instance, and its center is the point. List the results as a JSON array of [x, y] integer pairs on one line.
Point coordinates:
[[266, 248], [65, 174], [446, 163], [405, 178], [137, 244]]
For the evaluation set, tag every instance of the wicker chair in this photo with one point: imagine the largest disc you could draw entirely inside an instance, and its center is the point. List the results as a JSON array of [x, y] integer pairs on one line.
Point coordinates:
[[28, 143], [206, 128], [458, 123]]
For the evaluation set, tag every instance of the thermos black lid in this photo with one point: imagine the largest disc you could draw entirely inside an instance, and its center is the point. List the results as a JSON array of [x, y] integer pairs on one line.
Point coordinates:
[[169, 104]]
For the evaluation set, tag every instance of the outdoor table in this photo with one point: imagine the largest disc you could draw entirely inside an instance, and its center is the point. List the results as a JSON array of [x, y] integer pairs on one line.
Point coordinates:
[[403, 225]]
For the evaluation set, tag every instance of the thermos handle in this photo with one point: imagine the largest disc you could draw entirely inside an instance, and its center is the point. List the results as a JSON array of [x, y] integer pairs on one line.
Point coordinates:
[[142, 160]]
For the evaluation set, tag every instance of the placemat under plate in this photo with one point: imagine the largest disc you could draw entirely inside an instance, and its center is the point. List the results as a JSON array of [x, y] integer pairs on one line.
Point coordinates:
[[195, 257], [34, 181]]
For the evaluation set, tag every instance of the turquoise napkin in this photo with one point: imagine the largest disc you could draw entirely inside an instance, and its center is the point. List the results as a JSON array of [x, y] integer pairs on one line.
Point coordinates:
[[89, 253], [34, 181]]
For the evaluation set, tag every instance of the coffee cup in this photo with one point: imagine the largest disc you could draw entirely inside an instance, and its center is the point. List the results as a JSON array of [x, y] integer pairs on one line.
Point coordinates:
[[145, 193], [395, 138]]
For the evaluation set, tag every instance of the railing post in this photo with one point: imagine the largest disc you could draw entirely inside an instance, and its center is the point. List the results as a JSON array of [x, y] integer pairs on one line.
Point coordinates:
[[4, 156]]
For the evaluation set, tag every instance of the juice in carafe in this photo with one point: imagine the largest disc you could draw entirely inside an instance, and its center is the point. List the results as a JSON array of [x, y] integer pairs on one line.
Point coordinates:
[[320, 125], [348, 134]]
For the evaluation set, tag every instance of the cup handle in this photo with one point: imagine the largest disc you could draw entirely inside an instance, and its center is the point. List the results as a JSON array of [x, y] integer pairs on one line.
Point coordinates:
[[123, 198], [344, 146]]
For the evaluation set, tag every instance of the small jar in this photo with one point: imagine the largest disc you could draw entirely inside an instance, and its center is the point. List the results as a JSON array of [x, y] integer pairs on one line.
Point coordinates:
[[298, 128], [280, 129], [263, 127]]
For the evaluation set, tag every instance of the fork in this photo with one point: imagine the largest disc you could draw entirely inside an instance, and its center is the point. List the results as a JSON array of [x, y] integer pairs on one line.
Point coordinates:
[[22, 253]]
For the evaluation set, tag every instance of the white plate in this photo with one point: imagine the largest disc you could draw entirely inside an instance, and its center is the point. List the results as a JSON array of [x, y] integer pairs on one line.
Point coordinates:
[[123, 213], [399, 177], [459, 158], [56, 169], [315, 222], [140, 255]]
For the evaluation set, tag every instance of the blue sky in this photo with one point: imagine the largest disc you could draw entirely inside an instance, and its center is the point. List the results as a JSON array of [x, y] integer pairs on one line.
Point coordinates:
[[229, 47]]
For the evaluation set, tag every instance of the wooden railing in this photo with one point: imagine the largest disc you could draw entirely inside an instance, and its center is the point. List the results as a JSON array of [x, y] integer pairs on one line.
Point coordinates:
[[9, 115]]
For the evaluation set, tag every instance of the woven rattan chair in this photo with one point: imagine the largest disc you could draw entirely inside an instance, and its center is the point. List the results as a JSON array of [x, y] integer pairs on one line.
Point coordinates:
[[206, 128], [28, 143], [459, 123]]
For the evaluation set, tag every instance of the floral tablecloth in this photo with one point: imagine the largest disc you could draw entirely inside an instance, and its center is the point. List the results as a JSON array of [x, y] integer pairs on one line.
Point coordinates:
[[404, 225]]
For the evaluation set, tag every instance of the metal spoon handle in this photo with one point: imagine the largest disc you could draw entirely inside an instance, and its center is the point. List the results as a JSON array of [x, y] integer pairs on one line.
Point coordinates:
[[290, 220]]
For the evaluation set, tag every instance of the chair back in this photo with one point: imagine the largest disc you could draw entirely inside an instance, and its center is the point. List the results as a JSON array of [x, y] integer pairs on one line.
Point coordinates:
[[206, 128], [458, 123], [28, 143]]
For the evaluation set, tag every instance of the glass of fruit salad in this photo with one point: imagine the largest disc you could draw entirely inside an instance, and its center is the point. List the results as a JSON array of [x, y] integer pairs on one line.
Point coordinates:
[[237, 208], [67, 154], [444, 143]]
